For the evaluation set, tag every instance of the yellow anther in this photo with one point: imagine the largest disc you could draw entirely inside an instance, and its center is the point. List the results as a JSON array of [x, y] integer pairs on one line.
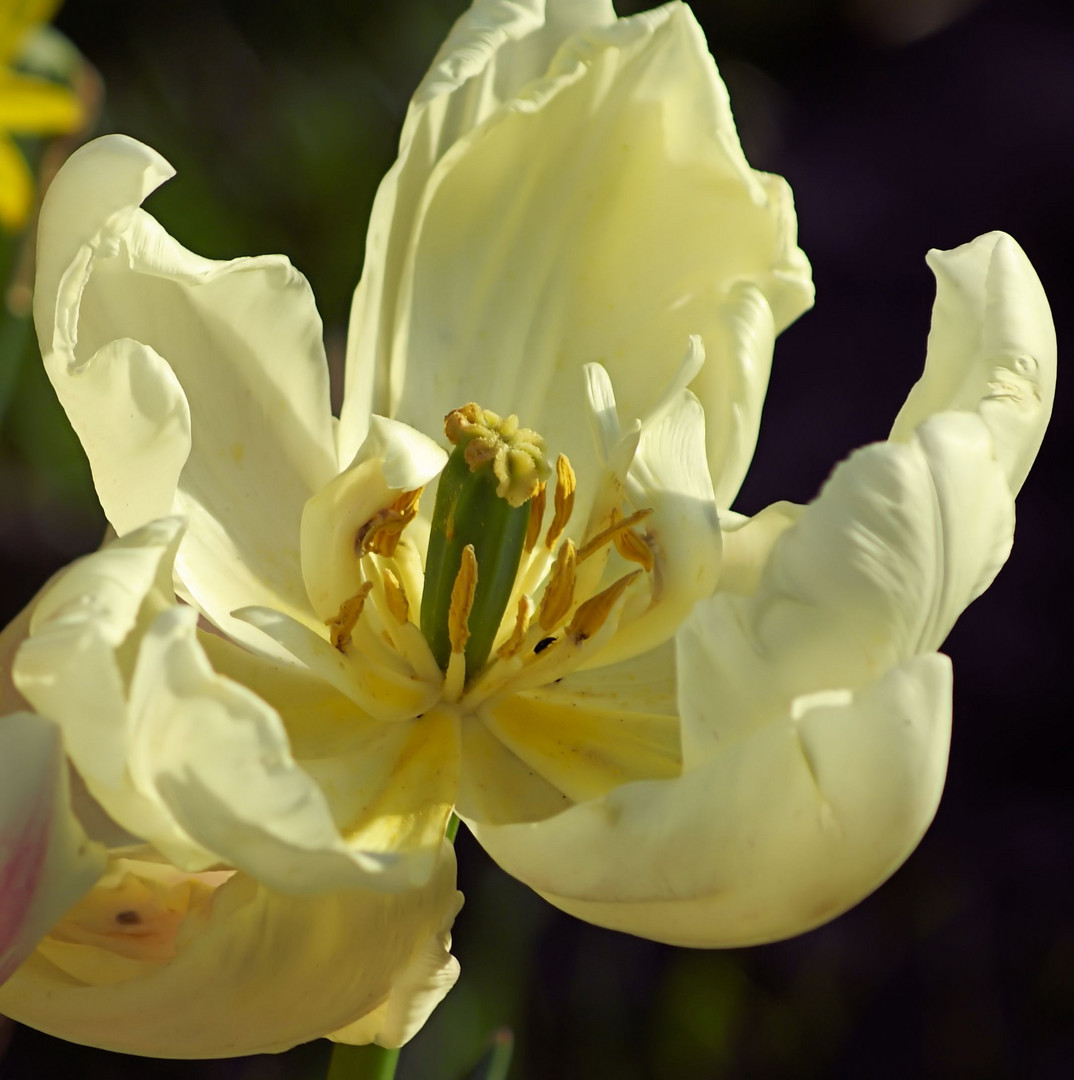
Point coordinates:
[[513, 645], [559, 592], [591, 615], [395, 595], [564, 501], [339, 628], [609, 534], [462, 600], [633, 548], [536, 517], [382, 532]]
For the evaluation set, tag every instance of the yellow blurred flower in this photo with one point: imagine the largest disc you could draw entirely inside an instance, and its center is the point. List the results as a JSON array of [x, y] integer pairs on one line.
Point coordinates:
[[29, 105]]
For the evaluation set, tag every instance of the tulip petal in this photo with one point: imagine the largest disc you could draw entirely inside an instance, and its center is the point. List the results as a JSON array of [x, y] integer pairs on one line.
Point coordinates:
[[393, 459], [991, 350], [193, 763], [735, 390], [379, 690], [217, 369], [405, 772], [584, 748], [668, 475], [528, 756], [320, 721], [748, 542], [218, 759], [806, 693], [73, 670], [418, 989], [46, 861], [493, 50], [521, 268], [777, 832], [900, 540], [251, 972]]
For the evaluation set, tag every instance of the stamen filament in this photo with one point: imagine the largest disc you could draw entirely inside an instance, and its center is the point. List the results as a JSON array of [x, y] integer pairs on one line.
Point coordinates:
[[595, 543]]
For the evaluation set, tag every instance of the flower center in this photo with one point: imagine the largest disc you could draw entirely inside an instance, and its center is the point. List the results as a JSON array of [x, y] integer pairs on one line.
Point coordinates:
[[508, 601]]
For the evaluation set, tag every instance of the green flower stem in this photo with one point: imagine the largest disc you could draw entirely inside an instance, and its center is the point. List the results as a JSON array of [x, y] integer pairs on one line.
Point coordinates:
[[362, 1063]]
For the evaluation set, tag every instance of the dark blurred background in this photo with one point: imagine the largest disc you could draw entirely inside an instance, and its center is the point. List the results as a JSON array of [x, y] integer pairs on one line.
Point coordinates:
[[901, 125]]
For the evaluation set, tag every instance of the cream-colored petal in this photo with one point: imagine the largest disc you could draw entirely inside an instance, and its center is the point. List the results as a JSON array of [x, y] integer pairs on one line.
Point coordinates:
[[393, 791], [251, 972], [900, 540], [75, 666], [379, 690], [528, 756], [393, 459], [386, 785], [320, 721], [734, 391], [777, 832], [584, 749], [217, 758], [669, 475], [991, 350], [494, 49], [186, 759], [417, 990], [748, 542], [195, 386], [497, 786], [626, 234], [46, 860]]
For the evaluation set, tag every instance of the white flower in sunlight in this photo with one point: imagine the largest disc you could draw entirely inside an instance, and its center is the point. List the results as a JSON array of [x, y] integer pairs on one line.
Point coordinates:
[[665, 718]]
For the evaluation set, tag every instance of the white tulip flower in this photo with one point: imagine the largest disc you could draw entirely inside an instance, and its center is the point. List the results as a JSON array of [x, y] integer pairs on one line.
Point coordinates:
[[664, 717]]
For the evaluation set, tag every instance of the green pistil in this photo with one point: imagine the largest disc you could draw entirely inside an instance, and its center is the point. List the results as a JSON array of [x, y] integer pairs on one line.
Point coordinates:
[[482, 500]]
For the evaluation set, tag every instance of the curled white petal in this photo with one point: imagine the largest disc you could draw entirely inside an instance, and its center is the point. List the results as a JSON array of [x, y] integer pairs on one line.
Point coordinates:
[[192, 384], [991, 349], [779, 831]]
